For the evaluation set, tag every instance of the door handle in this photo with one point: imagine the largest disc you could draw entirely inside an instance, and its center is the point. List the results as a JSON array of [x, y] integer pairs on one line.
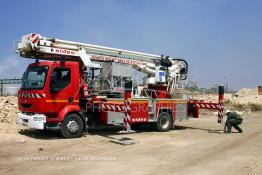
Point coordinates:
[[70, 100]]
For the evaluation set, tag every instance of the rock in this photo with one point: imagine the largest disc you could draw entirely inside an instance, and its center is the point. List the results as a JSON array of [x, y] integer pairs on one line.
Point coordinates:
[[8, 109]]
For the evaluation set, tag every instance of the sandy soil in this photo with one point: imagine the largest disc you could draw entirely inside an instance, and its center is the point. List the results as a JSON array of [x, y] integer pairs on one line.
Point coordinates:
[[244, 96], [196, 147]]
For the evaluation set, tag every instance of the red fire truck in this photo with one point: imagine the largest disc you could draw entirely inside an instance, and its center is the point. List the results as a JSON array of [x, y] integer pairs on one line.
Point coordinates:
[[59, 93]]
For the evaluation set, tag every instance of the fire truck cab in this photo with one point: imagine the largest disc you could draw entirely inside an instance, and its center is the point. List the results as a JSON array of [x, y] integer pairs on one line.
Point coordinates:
[[50, 91]]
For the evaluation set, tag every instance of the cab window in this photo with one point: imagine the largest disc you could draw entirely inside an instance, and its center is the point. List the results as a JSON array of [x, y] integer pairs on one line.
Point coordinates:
[[34, 77], [60, 78]]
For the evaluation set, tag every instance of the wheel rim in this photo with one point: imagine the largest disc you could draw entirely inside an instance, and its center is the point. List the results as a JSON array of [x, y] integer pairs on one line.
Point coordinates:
[[72, 126], [164, 122]]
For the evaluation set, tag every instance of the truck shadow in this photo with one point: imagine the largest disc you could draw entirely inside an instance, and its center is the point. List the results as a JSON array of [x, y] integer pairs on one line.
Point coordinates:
[[105, 131], [40, 134], [109, 131], [215, 131]]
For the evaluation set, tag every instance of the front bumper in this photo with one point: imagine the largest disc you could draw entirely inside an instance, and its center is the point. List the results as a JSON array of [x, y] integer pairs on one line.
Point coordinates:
[[36, 121]]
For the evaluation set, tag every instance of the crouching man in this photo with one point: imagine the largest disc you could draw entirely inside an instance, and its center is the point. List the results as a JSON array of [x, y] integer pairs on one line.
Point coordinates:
[[233, 119]]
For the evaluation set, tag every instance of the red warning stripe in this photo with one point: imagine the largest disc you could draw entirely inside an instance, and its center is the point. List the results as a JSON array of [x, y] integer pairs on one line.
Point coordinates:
[[114, 107], [34, 38]]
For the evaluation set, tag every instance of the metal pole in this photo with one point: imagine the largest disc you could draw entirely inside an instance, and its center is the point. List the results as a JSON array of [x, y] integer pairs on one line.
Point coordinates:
[[2, 86], [220, 102], [128, 91]]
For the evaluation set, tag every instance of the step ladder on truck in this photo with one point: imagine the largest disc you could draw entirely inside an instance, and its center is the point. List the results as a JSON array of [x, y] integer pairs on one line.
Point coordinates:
[[54, 94]]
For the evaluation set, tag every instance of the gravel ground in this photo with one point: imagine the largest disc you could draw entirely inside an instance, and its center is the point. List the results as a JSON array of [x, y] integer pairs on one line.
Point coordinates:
[[196, 146]]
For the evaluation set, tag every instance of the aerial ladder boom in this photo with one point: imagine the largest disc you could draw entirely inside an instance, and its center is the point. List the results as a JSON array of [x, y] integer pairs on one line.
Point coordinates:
[[37, 46]]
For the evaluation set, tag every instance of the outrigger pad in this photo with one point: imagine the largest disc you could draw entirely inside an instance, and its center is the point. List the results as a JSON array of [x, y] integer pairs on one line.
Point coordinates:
[[125, 141]]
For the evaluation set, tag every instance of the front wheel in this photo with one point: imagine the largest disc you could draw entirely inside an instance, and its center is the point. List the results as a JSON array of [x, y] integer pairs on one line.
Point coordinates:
[[72, 126], [164, 122]]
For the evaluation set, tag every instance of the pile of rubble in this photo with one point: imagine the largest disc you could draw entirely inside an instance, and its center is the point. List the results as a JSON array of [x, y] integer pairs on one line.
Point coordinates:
[[8, 109], [247, 96], [243, 96]]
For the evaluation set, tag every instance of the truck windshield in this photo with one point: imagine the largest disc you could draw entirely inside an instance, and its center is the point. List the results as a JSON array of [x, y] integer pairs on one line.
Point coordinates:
[[34, 77]]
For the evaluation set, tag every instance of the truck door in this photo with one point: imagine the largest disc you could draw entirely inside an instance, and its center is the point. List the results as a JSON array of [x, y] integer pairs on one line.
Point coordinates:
[[61, 89]]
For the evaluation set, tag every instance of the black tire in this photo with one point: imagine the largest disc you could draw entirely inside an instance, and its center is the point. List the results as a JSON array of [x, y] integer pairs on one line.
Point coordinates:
[[164, 122], [72, 126]]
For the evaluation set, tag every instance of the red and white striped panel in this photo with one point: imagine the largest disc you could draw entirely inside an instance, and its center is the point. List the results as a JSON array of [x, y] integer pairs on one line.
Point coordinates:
[[31, 95], [34, 38], [221, 104], [208, 105], [119, 107], [114, 107], [220, 112], [127, 106], [215, 106], [127, 118]]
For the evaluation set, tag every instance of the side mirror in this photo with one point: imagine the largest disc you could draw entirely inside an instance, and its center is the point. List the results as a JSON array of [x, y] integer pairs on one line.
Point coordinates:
[[53, 90]]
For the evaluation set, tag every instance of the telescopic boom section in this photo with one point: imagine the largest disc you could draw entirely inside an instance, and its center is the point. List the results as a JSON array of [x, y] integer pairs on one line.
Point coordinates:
[[33, 44], [37, 46]]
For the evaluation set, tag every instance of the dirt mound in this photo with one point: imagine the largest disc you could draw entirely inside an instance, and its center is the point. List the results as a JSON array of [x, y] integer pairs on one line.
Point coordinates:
[[8, 109], [243, 96], [210, 97], [246, 92], [247, 96]]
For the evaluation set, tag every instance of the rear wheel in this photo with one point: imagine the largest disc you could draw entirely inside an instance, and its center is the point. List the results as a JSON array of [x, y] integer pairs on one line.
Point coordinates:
[[72, 126], [164, 122]]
